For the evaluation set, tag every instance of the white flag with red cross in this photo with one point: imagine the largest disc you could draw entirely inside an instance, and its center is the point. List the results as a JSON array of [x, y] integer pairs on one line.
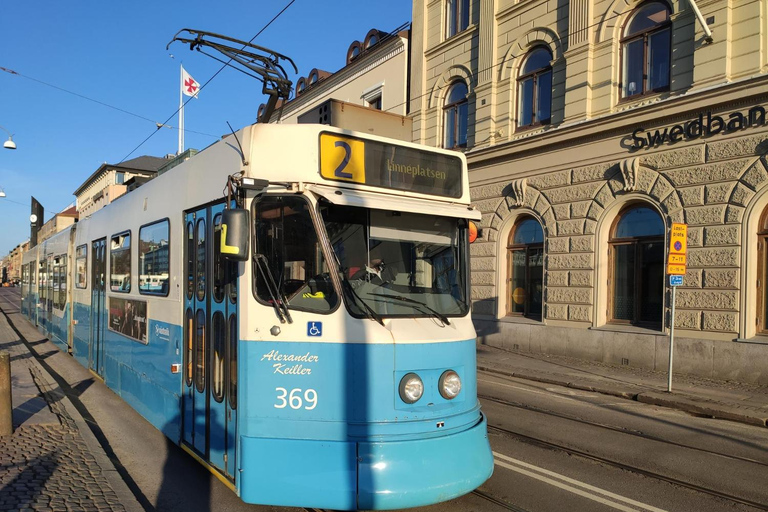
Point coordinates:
[[189, 86]]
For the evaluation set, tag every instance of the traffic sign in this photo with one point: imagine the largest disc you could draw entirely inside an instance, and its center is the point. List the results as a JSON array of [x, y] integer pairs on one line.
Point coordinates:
[[677, 259], [675, 270], [675, 280], [678, 238]]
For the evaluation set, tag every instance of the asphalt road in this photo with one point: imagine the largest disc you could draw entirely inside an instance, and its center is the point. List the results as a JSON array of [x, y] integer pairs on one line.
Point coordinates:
[[556, 449]]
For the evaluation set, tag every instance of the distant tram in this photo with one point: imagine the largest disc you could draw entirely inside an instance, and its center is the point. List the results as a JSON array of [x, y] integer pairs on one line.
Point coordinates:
[[291, 306]]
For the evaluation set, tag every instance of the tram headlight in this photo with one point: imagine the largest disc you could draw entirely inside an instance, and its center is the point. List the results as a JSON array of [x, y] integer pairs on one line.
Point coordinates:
[[411, 388], [450, 384]]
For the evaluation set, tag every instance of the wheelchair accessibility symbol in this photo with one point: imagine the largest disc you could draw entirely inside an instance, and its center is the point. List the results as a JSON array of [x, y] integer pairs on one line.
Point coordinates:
[[314, 329]]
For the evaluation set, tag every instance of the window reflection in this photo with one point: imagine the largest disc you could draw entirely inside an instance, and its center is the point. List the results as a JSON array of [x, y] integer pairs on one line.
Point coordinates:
[[646, 49], [525, 270]]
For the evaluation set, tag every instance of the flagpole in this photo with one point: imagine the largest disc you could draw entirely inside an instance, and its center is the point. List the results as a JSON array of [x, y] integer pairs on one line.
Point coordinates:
[[181, 109]]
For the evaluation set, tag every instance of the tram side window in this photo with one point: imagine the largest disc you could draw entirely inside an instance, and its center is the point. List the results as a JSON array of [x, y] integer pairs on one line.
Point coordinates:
[[81, 266], [60, 282], [154, 258], [287, 238], [43, 280], [120, 263], [55, 273]]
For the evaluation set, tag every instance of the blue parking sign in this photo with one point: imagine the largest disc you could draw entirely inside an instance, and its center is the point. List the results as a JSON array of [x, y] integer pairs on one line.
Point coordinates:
[[675, 280], [314, 329]]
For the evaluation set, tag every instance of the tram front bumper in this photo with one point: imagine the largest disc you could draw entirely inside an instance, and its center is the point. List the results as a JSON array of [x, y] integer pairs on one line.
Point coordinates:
[[378, 475]]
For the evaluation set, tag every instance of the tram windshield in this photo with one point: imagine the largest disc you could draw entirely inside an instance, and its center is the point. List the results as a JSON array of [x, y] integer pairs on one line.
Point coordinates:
[[398, 263]]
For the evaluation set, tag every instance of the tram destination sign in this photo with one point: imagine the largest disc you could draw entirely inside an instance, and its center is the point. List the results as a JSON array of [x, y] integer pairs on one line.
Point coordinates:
[[378, 164]]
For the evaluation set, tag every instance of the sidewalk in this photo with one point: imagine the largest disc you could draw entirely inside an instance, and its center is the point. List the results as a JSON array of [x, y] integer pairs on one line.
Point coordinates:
[[52, 461], [734, 401]]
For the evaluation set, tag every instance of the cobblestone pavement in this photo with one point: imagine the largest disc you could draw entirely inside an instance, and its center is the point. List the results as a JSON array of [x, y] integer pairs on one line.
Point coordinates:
[[49, 468], [46, 464]]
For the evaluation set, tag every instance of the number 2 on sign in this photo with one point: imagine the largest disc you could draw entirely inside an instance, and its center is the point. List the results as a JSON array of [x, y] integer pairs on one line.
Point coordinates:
[[347, 153]]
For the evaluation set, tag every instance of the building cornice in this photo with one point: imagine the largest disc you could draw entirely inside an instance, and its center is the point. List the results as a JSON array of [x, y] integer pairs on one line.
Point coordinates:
[[456, 40], [677, 108]]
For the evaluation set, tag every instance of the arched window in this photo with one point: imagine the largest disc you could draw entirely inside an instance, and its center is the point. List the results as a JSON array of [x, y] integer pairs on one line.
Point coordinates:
[[457, 17], [646, 50], [455, 114], [525, 268], [534, 88], [637, 267], [762, 272]]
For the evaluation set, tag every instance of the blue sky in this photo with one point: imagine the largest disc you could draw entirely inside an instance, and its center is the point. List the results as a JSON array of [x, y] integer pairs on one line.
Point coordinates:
[[114, 52]]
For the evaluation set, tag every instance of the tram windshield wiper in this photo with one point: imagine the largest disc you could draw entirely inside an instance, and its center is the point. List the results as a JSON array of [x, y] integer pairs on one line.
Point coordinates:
[[408, 300], [370, 313], [279, 301]]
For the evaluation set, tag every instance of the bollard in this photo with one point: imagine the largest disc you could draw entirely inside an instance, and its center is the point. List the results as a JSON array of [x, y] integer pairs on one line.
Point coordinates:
[[6, 405]]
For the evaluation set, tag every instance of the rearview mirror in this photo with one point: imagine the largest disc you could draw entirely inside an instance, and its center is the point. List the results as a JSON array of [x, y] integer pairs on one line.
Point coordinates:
[[235, 234]]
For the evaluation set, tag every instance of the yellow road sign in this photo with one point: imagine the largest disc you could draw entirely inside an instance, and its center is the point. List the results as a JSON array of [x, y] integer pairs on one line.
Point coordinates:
[[675, 270], [677, 259], [678, 238]]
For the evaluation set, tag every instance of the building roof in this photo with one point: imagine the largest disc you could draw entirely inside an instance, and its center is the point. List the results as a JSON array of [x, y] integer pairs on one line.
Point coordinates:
[[147, 165], [69, 212]]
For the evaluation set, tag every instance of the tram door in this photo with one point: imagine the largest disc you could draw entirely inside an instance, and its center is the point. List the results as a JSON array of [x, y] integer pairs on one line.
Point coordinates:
[[98, 310], [210, 326]]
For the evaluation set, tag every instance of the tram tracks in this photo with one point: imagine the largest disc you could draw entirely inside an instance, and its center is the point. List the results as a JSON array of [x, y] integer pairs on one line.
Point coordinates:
[[621, 430], [542, 443]]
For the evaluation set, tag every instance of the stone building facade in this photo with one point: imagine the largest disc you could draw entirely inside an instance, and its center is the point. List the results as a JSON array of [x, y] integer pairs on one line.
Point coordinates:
[[591, 127]]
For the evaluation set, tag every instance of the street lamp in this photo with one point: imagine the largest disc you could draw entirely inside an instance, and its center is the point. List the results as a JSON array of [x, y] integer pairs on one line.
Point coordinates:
[[9, 144]]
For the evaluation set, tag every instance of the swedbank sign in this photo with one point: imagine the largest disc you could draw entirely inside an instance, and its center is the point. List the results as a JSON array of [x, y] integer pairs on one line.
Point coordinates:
[[706, 125]]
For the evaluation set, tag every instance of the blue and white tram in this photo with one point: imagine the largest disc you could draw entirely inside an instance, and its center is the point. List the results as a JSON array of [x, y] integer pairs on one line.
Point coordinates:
[[308, 337]]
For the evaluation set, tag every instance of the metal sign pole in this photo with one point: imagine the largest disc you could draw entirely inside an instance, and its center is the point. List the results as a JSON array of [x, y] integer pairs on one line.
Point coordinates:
[[671, 340]]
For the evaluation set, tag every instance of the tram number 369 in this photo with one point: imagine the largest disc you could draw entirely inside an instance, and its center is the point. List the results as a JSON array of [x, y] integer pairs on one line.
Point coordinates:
[[295, 400]]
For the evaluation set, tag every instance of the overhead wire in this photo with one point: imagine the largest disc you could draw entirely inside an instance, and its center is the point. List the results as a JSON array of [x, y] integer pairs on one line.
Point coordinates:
[[93, 100], [291, 2]]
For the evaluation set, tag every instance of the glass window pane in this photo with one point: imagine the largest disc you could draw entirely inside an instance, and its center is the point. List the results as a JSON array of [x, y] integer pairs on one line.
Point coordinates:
[[458, 92], [658, 64], [648, 16], [517, 290], [539, 58], [451, 17], [200, 256], [232, 358], [286, 236], [464, 14], [543, 97], [535, 281], [463, 115], [200, 350], [632, 80], [81, 265], [190, 331], [652, 282], [120, 263], [525, 91], [624, 282], [190, 260], [154, 258], [219, 339], [450, 128], [639, 222], [528, 231], [219, 265]]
